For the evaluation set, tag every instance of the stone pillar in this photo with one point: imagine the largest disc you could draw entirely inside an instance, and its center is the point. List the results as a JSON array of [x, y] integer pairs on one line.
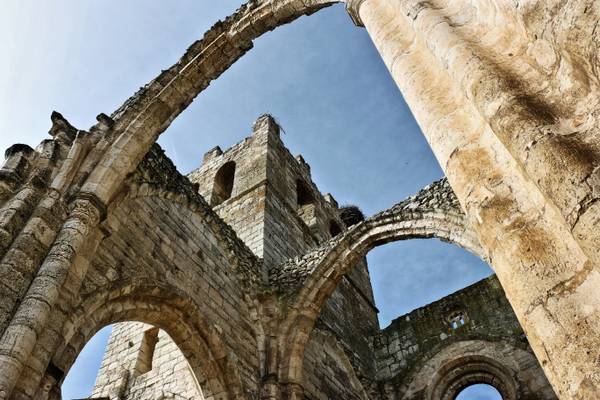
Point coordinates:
[[516, 206], [15, 168], [293, 391], [31, 317]]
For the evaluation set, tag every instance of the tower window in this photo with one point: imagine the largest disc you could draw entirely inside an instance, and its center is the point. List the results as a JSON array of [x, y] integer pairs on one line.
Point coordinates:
[[457, 319], [306, 203], [303, 194], [334, 229], [146, 353], [223, 185]]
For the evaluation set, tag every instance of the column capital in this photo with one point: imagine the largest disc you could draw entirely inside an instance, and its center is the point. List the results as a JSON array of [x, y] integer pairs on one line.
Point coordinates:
[[88, 207], [353, 8]]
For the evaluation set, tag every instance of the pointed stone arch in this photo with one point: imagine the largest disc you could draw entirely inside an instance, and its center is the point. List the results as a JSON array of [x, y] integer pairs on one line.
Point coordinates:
[[432, 213], [137, 124]]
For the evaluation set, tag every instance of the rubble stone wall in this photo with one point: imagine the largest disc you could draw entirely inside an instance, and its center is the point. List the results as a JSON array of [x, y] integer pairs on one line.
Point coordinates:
[[287, 233], [477, 320]]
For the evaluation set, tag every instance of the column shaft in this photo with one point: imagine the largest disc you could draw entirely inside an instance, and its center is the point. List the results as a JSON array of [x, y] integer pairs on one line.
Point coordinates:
[[548, 278]]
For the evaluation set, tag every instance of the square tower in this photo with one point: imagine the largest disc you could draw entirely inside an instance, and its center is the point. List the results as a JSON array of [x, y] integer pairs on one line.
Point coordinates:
[[267, 195]]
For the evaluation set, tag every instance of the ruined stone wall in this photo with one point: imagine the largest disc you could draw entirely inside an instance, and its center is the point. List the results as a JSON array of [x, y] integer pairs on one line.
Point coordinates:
[[264, 203], [264, 195], [263, 211], [244, 210], [506, 94], [475, 321], [329, 371], [163, 244], [162, 237], [191, 262], [159, 260], [291, 229], [125, 372], [349, 318]]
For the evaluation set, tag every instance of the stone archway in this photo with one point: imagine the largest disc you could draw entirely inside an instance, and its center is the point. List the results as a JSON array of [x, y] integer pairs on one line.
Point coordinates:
[[200, 343], [511, 115], [470, 370], [446, 371], [134, 275], [433, 212]]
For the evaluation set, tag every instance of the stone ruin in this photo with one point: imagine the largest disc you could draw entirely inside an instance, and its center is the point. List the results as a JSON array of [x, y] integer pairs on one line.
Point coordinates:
[[243, 281], [267, 196]]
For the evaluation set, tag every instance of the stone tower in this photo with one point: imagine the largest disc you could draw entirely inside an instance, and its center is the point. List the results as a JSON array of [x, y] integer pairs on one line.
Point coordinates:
[[268, 197]]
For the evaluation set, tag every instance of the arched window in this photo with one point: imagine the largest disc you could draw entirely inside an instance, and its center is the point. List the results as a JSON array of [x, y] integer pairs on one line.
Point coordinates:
[[457, 318], [303, 194], [136, 356], [305, 202], [223, 185], [334, 229]]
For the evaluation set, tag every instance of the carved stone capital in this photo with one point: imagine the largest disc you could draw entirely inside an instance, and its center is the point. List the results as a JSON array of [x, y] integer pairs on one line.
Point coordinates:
[[353, 8], [88, 207]]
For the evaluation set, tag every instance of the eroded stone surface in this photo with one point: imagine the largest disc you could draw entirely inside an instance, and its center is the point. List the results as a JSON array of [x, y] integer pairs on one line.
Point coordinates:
[[98, 227]]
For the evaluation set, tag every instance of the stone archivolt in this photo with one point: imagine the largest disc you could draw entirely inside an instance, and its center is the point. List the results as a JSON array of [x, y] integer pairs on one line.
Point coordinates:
[[433, 212], [98, 227]]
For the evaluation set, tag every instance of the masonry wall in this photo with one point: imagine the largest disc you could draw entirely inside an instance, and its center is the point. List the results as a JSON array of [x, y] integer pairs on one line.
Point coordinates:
[[265, 213], [166, 258], [469, 321], [244, 211], [169, 377], [291, 229], [401, 345], [332, 367], [160, 243], [276, 209]]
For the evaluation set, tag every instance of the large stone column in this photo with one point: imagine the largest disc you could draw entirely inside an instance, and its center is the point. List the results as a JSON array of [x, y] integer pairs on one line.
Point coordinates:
[[519, 202], [73, 244]]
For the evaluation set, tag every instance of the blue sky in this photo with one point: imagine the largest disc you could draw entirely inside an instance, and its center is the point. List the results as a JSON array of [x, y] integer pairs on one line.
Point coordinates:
[[320, 77]]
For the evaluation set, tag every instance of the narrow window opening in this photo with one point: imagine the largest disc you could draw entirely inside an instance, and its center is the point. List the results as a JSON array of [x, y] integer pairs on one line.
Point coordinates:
[[305, 201], [334, 229], [223, 185], [146, 353], [303, 194]]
